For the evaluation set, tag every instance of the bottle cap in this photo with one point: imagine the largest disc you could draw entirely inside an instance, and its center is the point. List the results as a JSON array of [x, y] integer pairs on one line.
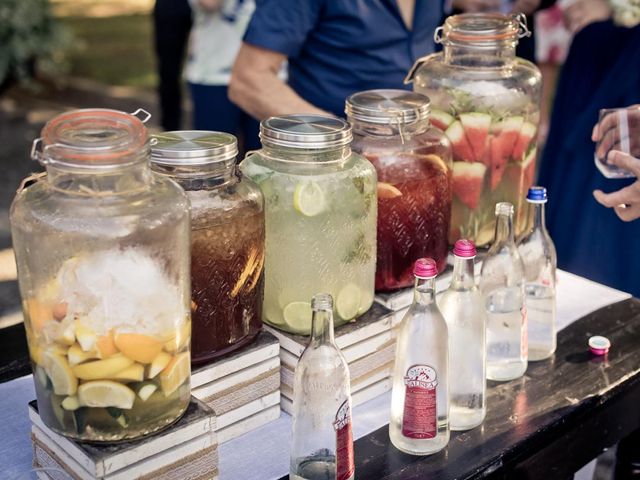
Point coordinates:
[[599, 345], [425, 268], [464, 248], [537, 195]]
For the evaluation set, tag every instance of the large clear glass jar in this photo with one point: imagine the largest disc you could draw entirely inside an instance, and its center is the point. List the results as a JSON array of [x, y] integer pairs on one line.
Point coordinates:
[[487, 101], [413, 161], [227, 239], [102, 249], [320, 210]]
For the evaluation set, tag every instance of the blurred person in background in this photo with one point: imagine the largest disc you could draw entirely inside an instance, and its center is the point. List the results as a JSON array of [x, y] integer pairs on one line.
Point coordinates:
[[601, 71], [334, 48], [172, 23], [217, 32]]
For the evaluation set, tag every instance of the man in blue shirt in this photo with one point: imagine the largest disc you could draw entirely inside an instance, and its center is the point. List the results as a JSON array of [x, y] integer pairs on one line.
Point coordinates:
[[334, 48]]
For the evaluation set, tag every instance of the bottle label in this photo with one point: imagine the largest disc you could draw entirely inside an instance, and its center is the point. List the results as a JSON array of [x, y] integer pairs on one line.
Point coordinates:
[[420, 418], [524, 335], [345, 463]]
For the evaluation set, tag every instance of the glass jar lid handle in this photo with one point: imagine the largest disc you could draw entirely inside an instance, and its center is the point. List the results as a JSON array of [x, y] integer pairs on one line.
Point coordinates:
[[145, 116], [437, 35], [523, 29]]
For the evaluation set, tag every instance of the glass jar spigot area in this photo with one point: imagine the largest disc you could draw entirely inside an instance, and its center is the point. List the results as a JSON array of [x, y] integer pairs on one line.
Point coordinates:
[[487, 102], [320, 206]]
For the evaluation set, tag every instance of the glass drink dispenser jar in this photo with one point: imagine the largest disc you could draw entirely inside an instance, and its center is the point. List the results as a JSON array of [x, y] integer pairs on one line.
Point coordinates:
[[227, 239], [487, 102], [102, 249], [320, 206], [413, 161]]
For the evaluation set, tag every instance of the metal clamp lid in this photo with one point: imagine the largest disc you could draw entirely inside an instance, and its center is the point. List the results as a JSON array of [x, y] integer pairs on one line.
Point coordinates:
[[192, 147], [388, 106], [304, 131]]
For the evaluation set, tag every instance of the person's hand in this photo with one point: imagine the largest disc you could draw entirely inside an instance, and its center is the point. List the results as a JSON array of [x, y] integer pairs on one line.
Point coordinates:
[[210, 5], [526, 6], [473, 6], [626, 201], [607, 133], [584, 12]]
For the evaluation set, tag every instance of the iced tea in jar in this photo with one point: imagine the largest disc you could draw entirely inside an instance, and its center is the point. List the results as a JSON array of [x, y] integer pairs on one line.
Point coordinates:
[[413, 160], [320, 216], [487, 102], [227, 239], [102, 249]]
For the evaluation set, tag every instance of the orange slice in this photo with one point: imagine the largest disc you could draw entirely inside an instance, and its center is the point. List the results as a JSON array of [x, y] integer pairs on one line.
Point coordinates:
[[138, 347], [39, 314], [387, 191], [175, 373], [105, 345]]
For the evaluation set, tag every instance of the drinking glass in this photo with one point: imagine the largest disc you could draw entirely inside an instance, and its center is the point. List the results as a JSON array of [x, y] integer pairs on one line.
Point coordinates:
[[620, 131]]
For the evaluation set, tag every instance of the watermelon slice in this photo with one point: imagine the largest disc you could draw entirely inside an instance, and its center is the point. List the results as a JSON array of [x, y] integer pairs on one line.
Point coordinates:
[[527, 132], [498, 161], [441, 120], [520, 175], [476, 129], [467, 182], [508, 132], [459, 143]]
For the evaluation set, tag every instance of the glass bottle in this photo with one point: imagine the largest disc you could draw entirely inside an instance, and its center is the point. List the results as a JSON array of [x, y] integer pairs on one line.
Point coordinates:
[[320, 210], [102, 249], [227, 239], [502, 286], [539, 257], [322, 438], [419, 423], [391, 129], [487, 102], [463, 309]]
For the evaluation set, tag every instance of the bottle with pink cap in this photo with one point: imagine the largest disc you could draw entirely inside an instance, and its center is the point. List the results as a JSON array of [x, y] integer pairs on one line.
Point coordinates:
[[463, 309], [419, 423]]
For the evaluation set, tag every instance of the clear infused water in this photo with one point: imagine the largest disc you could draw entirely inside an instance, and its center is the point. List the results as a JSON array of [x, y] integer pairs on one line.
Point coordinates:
[[506, 354], [321, 466], [541, 314]]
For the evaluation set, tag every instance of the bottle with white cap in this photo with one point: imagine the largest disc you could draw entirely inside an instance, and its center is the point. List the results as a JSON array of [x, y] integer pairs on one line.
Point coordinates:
[[539, 257], [502, 286], [419, 423], [463, 309]]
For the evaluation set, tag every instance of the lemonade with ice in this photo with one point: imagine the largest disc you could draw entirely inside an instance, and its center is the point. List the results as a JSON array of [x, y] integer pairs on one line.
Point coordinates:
[[320, 218]]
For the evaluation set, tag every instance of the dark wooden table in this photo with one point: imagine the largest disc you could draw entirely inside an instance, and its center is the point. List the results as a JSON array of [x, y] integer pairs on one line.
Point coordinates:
[[544, 426]]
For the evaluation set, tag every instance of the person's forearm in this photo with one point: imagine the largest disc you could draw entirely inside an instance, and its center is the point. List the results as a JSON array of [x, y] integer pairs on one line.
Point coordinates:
[[264, 94]]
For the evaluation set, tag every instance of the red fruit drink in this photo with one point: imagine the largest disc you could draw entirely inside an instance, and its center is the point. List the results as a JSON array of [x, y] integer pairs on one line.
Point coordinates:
[[414, 212]]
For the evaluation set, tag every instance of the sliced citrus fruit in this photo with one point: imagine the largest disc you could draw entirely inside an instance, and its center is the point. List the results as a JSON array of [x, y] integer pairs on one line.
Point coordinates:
[[178, 337], [297, 315], [105, 345], [67, 336], [133, 373], [86, 337], [106, 393], [158, 364], [71, 403], [101, 368], [309, 199], [39, 314], [138, 347], [348, 301], [60, 373], [146, 390], [175, 373], [76, 355], [386, 191]]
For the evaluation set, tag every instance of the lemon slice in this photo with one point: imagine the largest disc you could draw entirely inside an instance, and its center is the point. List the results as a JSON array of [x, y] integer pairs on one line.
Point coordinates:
[[348, 302], [62, 378], [76, 355], [71, 403], [137, 346], [158, 364], [102, 368], [309, 199], [105, 393], [145, 391], [297, 315], [133, 373], [175, 373]]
